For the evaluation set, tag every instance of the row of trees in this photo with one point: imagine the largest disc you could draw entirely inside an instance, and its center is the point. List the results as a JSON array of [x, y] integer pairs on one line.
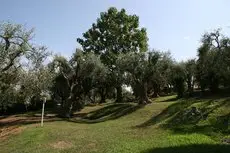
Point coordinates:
[[114, 55]]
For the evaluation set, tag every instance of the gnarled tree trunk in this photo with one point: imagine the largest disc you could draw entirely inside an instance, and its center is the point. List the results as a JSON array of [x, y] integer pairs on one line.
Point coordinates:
[[143, 96]]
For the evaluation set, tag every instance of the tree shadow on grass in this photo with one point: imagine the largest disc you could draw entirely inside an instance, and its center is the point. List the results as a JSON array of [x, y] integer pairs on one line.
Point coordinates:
[[220, 126], [170, 99], [178, 117], [110, 112], [167, 113], [221, 93], [15, 120], [194, 148], [190, 124]]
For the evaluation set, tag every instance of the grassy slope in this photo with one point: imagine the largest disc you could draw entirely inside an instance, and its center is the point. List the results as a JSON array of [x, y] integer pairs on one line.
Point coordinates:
[[153, 128]]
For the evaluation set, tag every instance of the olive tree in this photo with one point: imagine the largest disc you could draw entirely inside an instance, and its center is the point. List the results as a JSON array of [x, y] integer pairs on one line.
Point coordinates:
[[76, 78], [213, 59], [18, 56], [140, 67]]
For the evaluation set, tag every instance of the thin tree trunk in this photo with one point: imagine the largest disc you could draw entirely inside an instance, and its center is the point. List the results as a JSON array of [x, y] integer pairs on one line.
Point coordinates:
[[67, 109], [119, 94], [156, 90], [190, 89], [102, 94], [214, 85], [91, 99]]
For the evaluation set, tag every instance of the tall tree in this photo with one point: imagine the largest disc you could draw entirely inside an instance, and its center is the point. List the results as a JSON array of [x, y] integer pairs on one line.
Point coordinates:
[[114, 33]]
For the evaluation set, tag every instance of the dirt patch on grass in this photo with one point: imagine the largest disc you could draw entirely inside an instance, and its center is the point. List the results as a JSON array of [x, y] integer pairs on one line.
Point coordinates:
[[14, 124], [61, 145], [8, 131], [17, 120]]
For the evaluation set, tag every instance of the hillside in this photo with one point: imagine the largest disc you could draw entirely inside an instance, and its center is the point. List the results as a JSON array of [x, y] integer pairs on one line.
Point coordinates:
[[166, 125]]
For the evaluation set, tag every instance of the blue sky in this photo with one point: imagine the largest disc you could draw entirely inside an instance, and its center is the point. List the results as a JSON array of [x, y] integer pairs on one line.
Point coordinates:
[[175, 25]]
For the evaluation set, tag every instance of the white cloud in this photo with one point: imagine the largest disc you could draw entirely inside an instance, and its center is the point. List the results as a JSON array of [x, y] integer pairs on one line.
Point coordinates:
[[186, 37]]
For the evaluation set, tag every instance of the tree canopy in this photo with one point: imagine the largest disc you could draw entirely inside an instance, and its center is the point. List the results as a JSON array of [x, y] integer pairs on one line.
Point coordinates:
[[115, 32]]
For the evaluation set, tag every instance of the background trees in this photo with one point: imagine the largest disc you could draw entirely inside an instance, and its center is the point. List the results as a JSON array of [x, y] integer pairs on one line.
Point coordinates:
[[212, 65], [76, 78]]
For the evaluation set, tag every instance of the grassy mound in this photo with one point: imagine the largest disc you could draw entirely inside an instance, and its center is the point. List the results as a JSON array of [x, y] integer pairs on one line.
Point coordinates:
[[167, 125]]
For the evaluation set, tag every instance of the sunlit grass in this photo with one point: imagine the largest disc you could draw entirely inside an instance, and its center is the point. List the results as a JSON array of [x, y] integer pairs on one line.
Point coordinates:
[[121, 135]]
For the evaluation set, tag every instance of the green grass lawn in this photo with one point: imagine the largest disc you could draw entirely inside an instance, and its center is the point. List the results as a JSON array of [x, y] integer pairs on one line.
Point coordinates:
[[127, 128]]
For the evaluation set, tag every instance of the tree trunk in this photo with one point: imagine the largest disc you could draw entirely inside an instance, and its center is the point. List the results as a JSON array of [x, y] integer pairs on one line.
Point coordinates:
[[102, 99], [156, 89], [214, 85], [103, 95], [66, 110], [135, 91], [62, 102], [91, 99], [119, 94], [179, 87], [143, 96], [202, 88], [190, 87]]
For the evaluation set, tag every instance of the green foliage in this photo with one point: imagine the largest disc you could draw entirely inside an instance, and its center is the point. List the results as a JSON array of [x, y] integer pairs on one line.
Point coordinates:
[[22, 71], [178, 77], [146, 72], [212, 65], [190, 74], [114, 33], [77, 78], [160, 75], [34, 83]]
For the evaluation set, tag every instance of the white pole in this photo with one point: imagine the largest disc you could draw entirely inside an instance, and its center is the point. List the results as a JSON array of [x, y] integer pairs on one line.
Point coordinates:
[[43, 108]]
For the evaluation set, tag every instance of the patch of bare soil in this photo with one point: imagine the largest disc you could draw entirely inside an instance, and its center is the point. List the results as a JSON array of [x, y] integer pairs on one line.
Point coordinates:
[[61, 145], [5, 132], [13, 124]]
